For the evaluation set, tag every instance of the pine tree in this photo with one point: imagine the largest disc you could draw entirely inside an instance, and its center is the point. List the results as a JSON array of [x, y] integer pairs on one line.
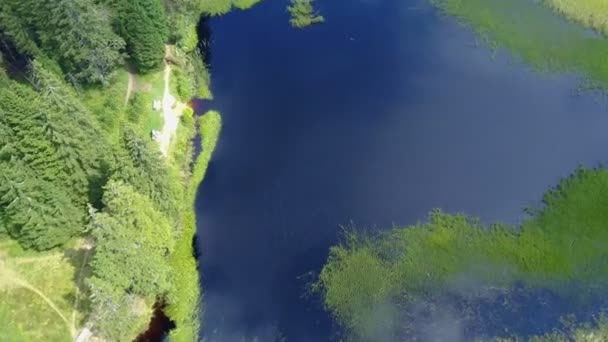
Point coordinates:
[[34, 211], [143, 25], [13, 25]]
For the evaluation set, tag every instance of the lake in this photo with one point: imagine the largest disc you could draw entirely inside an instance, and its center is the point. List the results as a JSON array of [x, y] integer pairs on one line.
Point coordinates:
[[384, 112]]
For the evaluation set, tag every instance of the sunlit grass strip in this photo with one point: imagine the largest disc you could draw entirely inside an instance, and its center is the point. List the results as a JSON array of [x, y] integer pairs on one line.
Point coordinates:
[[244, 4], [590, 13], [219, 7], [533, 33], [184, 300]]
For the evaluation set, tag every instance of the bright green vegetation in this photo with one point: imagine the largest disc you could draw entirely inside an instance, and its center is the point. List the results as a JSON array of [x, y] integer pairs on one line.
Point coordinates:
[[105, 102], [244, 4], [558, 247], [44, 281], [96, 226], [534, 34], [303, 14], [185, 299], [188, 8], [590, 13]]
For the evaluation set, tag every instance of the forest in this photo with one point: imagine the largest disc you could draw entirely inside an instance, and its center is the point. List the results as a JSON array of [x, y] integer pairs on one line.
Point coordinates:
[[407, 280], [96, 222]]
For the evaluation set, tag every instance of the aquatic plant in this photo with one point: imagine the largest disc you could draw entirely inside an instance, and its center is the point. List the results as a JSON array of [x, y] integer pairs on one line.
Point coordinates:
[[303, 14], [559, 248]]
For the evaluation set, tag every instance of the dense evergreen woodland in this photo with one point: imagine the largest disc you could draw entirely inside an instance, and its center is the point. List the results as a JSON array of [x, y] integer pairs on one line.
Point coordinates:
[[80, 172]]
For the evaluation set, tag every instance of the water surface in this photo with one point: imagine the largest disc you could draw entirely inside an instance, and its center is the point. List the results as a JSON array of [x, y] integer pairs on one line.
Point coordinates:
[[386, 111]]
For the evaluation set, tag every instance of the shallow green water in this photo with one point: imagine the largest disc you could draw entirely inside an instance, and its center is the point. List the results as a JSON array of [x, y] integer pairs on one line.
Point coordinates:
[[534, 34]]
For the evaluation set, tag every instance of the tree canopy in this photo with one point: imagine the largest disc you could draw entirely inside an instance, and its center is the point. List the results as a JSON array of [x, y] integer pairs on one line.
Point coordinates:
[[133, 243], [143, 25]]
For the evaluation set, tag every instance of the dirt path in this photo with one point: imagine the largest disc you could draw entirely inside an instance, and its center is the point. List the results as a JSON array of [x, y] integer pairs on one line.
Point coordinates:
[[130, 85], [172, 110]]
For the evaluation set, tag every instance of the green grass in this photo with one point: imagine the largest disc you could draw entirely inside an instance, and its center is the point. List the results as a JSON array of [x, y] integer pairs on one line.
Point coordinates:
[[107, 103], [590, 13], [220, 7], [149, 87], [561, 245], [25, 315], [244, 4], [534, 34]]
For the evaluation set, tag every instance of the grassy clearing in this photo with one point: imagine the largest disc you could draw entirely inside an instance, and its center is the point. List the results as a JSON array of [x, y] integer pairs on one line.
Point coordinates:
[[149, 87], [108, 102], [38, 293], [534, 34], [184, 300]]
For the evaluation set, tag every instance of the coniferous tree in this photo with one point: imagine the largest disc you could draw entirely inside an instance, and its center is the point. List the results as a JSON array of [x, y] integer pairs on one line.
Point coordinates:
[[133, 242], [53, 154], [34, 211], [76, 33], [143, 25], [15, 24]]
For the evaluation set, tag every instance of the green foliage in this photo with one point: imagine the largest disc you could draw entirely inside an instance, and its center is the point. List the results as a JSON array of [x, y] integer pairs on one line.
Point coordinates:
[[141, 165], [590, 13], [133, 243], [34, 211], [534, 34], [210, 126], [143, 25], [120, 319], [303, 14], [184, 301], [183, 84], [219, 7], [215, 7], [244, 4], [105, 103], [559, 246], [76, 33], [140, 105], [45, 160], [14, 27]]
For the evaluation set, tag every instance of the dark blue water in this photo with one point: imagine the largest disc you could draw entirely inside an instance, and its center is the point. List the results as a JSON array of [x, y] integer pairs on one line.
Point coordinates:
[[375, 117]]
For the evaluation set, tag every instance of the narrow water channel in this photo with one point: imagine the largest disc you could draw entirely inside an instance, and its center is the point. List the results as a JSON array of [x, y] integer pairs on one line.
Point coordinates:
[[386, 111]]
